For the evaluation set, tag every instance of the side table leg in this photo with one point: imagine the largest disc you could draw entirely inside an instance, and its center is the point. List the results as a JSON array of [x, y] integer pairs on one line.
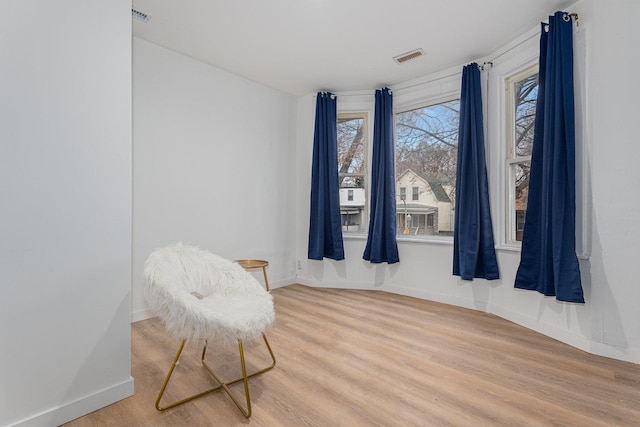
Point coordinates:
[[266, 281]]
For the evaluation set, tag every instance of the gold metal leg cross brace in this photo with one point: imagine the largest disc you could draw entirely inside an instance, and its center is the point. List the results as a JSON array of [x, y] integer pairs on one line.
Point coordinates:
[[222, 385]]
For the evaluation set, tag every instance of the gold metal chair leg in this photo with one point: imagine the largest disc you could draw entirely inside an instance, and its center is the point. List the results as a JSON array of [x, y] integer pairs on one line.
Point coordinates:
[[223, 385], [246, 412]]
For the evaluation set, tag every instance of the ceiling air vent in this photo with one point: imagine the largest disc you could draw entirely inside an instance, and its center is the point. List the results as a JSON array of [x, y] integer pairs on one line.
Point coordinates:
[[408, 56], [140, 16]]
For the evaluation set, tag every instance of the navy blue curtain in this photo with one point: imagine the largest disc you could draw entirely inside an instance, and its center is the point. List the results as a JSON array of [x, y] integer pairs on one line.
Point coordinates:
[[548, 262], [325, 229], [381, 240], [474, 253]]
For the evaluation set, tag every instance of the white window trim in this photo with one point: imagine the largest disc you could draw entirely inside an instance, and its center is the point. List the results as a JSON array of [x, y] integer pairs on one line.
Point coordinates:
[[510, 159], [415, 96], [365, 117], [440, 99], [364, 226], [498, 132], [358, 104], [415, 193]]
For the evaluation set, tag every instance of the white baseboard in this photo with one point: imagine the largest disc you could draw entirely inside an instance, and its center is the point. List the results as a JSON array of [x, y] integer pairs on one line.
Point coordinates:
[[627, 354], [282, 283], [445, 299], [77, 408], [335, 284], [139, 315], [551, 331]]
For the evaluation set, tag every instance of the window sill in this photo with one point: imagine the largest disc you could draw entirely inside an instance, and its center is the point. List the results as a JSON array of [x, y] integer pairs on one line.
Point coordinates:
[[447, 241], [518, 248], [408, 239], [508, 248], [354, 236]]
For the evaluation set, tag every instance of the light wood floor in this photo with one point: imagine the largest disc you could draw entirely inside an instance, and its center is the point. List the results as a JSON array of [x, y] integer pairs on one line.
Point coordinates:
[[368, 358]]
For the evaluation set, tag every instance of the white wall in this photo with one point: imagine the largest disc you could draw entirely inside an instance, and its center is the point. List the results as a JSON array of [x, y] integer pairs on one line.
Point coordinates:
[[612, 115], [65, 217], [607, 104], [214, 164]]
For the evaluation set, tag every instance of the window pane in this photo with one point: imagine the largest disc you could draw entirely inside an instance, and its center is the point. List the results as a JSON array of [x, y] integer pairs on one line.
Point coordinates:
[[522, 89], [426, 156], [351, 133], [520, 192], [525, 93], [351, 145]]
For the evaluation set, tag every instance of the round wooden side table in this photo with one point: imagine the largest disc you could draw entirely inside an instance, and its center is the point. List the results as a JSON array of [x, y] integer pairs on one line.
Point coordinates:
[[251, 264]]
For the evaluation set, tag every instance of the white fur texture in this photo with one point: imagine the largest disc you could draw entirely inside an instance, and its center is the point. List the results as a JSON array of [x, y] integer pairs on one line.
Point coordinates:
[[199, 295]]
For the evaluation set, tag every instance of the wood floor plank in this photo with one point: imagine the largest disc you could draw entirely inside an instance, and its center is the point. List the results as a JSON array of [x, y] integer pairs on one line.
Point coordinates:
[[369, 358]]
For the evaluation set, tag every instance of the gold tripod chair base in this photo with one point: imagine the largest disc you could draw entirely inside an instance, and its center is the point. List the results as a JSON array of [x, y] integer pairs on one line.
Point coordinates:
[[246, 411]]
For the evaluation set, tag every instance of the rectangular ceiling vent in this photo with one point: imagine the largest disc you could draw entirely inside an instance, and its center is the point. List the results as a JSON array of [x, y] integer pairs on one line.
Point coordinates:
[[408, 56], [140, 16]]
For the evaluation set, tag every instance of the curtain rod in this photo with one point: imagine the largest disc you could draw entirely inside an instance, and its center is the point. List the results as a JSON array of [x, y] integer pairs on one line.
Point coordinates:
[[567, 17]]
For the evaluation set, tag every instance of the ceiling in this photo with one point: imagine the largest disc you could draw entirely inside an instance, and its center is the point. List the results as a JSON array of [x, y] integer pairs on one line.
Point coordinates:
[[302, 46]]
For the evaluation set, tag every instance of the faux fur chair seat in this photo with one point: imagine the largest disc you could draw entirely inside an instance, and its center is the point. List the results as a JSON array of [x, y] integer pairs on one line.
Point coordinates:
[[201, 296]]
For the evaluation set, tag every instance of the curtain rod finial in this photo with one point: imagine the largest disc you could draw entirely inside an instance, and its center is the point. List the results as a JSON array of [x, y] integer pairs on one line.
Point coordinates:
[[567, 17], [486, 64]]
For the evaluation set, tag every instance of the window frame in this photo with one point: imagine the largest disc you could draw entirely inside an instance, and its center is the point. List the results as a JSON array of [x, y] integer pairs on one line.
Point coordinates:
[[367, 164], [511, 158], [447, 91]]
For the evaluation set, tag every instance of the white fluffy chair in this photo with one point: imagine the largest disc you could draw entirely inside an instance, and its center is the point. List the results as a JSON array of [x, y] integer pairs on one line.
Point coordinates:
[[201, 296]]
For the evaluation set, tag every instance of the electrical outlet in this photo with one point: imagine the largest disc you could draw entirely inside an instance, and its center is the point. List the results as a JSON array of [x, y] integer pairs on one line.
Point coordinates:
[[299, 265]]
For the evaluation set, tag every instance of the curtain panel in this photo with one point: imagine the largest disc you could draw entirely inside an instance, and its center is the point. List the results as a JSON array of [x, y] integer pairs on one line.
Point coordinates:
[[325, 228], [381, 240], [548, 261], [474, 254]]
